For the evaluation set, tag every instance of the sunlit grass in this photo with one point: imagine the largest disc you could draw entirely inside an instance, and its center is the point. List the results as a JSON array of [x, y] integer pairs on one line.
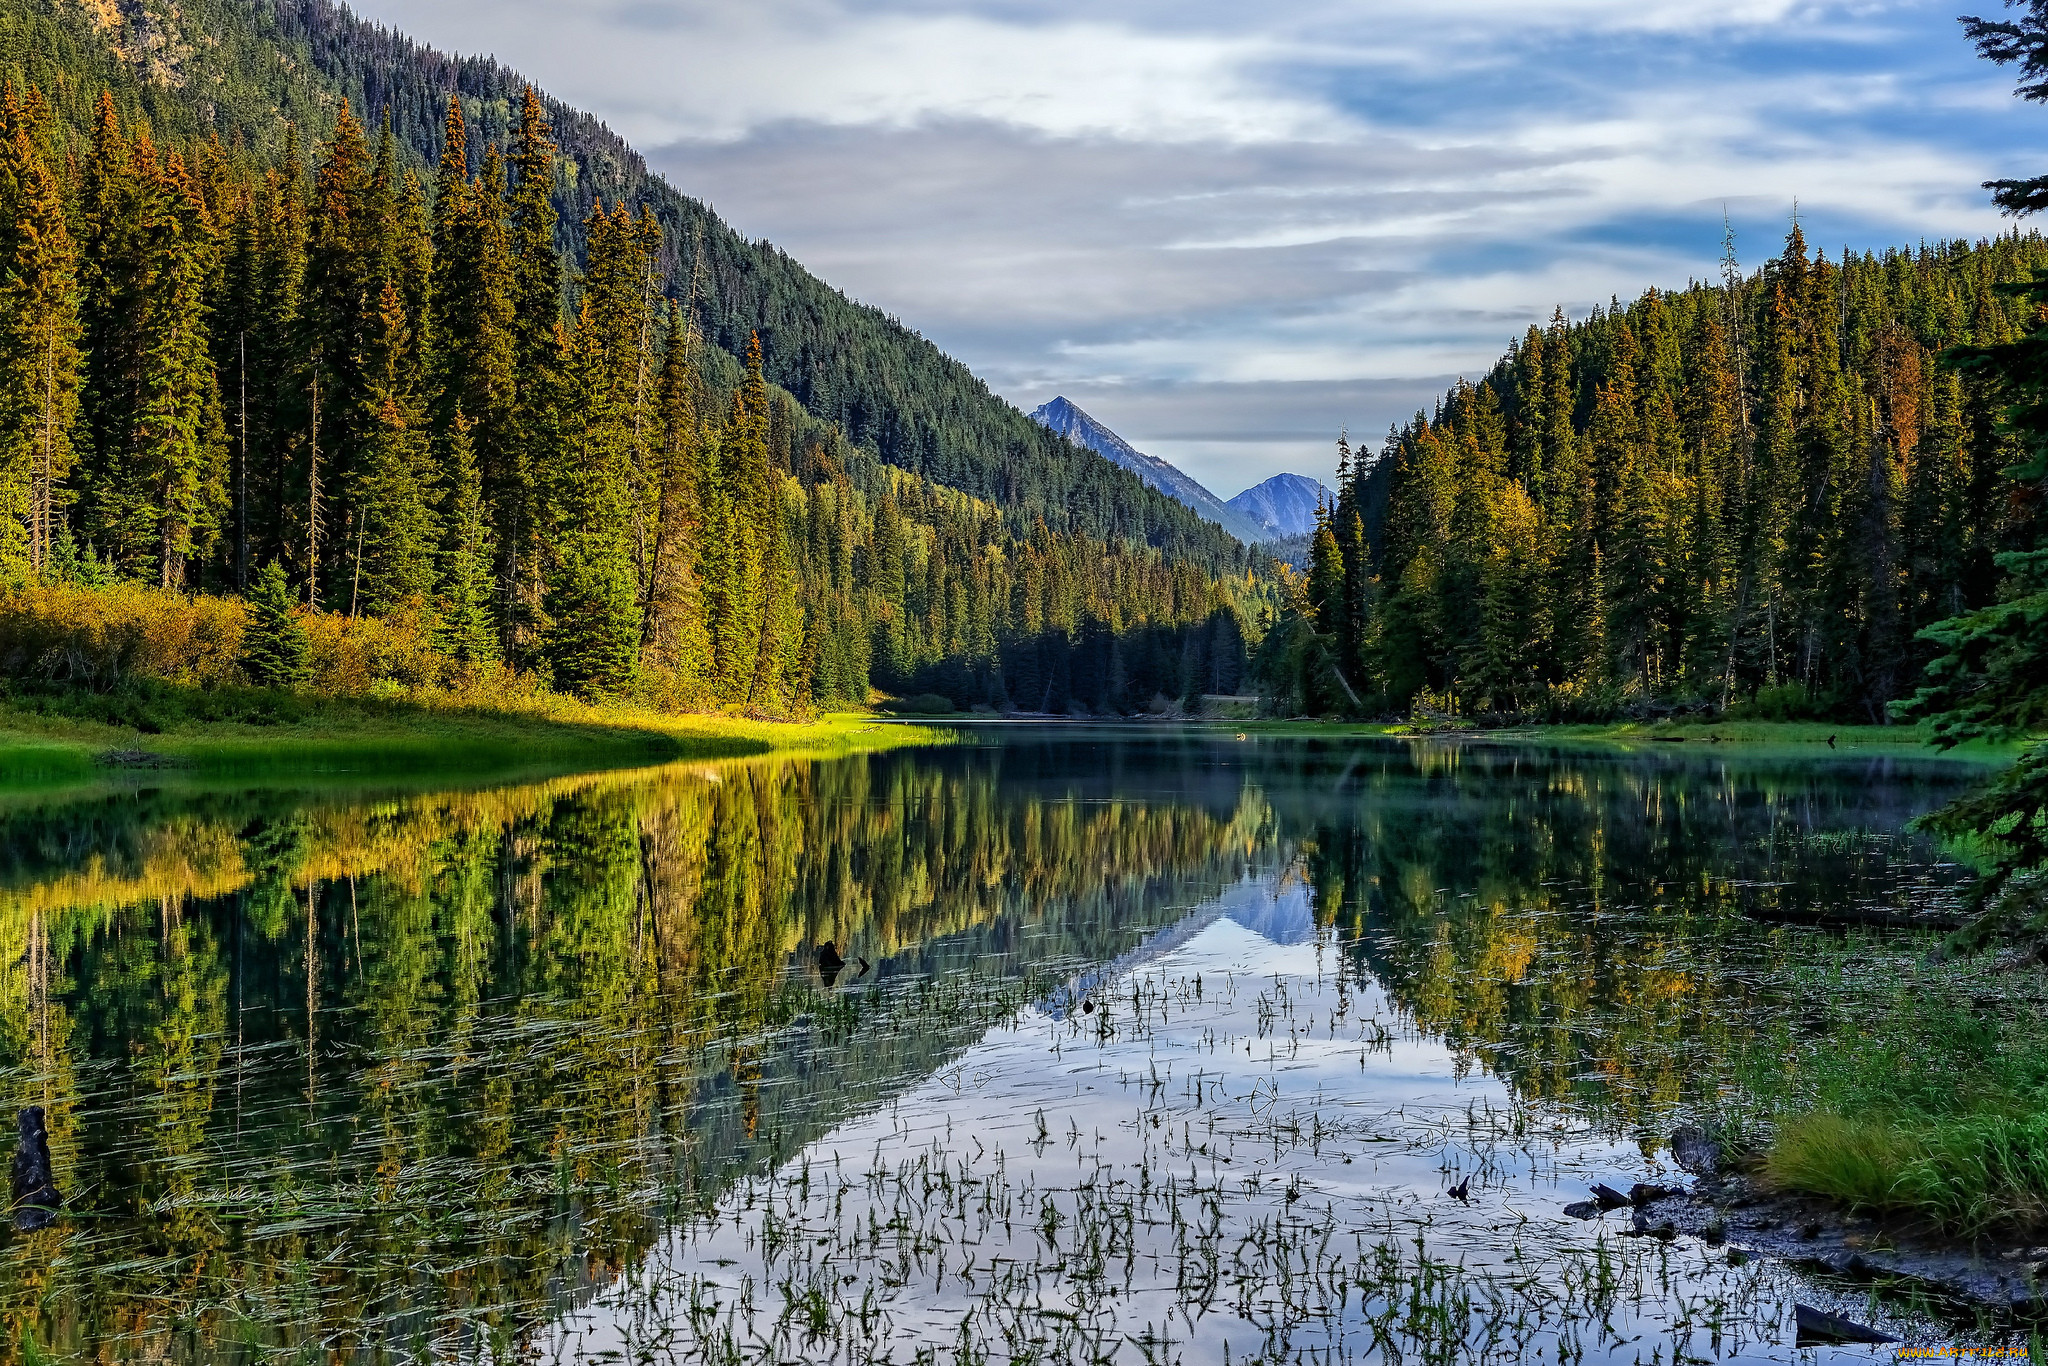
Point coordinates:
[[1912, 1089], [62, 738]]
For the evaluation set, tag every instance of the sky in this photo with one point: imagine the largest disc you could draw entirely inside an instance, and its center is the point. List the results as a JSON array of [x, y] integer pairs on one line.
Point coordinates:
[[1232, 230]]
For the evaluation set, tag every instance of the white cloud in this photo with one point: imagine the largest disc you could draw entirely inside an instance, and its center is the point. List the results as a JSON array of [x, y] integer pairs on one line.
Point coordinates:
[[1188, 216]]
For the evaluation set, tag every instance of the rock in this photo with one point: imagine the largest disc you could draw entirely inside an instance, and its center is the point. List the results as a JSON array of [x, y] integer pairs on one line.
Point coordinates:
[[36, 1198], [1610, 1198], [1641, 1193], [1817, 1329], [1663, 1230], [829, 961], [1582, 1209], [1695, 1151]]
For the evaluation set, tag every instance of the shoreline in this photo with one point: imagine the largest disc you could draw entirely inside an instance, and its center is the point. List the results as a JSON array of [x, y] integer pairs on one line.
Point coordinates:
[[370, 738], [1809, 736]]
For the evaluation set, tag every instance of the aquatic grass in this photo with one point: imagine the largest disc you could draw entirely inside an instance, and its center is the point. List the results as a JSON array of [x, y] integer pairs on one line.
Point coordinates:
[[1907, 1087], [1853, 1160]]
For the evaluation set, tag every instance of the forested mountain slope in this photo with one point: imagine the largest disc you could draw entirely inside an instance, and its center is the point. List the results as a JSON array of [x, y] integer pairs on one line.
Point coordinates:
[[251, 343], [245, 69], [1754, 491]]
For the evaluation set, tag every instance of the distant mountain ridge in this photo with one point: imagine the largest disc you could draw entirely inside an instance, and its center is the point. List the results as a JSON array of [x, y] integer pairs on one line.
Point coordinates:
[[1063, 416], [1284, 505]]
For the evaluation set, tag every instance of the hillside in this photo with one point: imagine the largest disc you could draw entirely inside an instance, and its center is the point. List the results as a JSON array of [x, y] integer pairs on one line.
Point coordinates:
[[424, 408], [1062, 416], [1755, 493], [244, 69]]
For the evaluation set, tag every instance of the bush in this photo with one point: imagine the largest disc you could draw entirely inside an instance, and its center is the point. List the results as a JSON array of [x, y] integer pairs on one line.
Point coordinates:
[[349, 657], [101, 638]]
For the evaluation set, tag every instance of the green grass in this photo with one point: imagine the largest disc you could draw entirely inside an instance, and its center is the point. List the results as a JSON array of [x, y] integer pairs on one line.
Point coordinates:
[[1796, 735], [1910, 1088], [53, 738]]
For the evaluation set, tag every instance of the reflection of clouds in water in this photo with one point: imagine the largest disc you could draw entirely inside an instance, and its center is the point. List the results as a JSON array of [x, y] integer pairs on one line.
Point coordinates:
[[1234, 1107]]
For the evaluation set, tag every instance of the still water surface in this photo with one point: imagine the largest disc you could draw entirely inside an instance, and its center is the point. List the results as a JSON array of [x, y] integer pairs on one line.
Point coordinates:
[[1149, 1047]]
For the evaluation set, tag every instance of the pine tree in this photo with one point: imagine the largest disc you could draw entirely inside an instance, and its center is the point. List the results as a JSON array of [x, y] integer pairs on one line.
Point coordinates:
[[463, 626], [391, 491], [39, 354], [178, 452], [672, 626], [592, 636], [275, 650]]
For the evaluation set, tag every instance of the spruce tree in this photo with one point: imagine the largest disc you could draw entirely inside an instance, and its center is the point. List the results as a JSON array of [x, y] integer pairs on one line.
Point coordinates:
[[178, 452], [463, 626], [275, 650], [40, 359]]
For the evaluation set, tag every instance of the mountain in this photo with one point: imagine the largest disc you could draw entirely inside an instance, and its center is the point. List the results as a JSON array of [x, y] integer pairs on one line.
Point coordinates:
[[1284, 505], [246, 71], [419, 347], [1069, 421]]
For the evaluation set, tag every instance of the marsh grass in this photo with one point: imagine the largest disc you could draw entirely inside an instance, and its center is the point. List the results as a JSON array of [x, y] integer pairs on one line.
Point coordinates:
[[1910, 1088]]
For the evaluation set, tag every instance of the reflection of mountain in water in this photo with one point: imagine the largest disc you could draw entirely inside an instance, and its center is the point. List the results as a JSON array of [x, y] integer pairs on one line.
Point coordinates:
[[1281, 911], [502, 1036]]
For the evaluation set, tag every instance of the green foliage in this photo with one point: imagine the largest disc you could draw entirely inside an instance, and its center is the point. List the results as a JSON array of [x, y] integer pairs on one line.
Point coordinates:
[[459, 379], [1991, 675], [1754, 495], [275, 650], [1917, 1091]]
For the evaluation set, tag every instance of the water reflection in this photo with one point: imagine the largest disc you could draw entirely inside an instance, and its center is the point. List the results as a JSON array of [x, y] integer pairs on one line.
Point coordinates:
[[419, 1072]]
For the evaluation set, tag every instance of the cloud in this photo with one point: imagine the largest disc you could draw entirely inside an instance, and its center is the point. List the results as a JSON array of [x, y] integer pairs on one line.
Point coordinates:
[[1228, 230]]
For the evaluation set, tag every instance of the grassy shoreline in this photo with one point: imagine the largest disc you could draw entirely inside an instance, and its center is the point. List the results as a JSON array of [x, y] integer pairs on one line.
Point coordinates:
[[333, 736], [1912, 1087], [1802, 735]]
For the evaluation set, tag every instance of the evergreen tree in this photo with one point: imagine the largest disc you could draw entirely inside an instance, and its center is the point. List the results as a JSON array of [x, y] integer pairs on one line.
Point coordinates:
[[275, 650], [39, 353], [463, 625]]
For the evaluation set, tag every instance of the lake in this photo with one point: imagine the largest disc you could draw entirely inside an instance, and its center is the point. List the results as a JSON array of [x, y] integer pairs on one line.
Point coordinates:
[[1141, 1045]]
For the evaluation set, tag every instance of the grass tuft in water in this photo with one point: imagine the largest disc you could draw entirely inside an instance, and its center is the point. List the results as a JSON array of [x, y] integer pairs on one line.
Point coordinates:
[[1912, 1088]]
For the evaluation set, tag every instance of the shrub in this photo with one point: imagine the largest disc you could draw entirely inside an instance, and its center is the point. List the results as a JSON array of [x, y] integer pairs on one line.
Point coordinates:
[[100, 638], [349, 657]]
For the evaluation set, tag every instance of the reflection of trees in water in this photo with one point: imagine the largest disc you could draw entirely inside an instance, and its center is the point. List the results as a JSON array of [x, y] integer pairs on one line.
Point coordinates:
[[1577, 922], [324, 1063], [436, 1061]]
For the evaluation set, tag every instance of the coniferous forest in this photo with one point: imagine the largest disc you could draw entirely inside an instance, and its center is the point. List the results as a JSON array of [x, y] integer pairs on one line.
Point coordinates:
[[1756, 492], [427, 377]]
